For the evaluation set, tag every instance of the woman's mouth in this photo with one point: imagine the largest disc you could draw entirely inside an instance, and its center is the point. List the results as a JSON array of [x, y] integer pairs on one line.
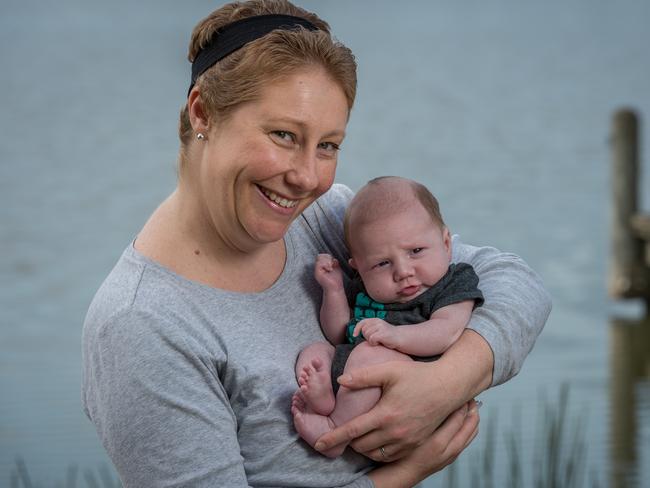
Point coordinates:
[[277, 199]]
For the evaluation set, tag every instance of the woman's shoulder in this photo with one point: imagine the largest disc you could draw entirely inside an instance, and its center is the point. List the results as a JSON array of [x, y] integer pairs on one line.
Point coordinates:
[[339, 193], [333, 203], [135, 291], [117, 293], [326, 214], [323, 221]]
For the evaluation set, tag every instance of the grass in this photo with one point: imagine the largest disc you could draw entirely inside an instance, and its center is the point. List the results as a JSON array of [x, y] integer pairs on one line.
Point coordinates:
[[559, 453]]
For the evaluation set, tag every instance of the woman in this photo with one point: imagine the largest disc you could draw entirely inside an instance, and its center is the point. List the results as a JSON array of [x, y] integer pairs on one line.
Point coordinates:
[[190, 343]]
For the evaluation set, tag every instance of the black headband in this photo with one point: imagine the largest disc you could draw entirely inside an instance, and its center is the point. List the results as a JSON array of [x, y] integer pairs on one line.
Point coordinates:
[[233, 36]]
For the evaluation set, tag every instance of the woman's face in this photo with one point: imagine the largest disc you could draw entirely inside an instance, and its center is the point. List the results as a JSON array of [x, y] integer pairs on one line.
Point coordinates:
[[271, 158]]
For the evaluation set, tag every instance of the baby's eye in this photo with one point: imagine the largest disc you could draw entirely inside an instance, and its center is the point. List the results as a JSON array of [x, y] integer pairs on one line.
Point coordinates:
[[417, 250], [381, 264]]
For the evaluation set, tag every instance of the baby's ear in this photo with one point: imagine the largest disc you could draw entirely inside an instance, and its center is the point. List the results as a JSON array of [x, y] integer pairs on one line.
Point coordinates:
[[446, 239], [352, 263]]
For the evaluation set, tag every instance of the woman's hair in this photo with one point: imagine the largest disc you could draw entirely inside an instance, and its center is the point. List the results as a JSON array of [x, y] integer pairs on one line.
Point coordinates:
[[240, 76], [386, 196]]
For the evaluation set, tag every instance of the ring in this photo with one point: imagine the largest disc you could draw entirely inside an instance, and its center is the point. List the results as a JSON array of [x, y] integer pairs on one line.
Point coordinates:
[[383, 453]]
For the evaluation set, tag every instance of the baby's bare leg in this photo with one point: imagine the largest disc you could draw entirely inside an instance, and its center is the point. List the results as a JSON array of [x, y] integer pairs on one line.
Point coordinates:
[[349, 403], [352, 403], [310, 425], [313, 372]]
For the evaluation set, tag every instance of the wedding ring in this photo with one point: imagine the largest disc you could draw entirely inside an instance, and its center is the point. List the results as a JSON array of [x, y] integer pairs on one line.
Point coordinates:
[[383, 453]]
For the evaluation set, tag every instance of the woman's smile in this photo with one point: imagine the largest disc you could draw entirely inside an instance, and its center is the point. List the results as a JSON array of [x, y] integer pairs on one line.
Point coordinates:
[[278, 200]]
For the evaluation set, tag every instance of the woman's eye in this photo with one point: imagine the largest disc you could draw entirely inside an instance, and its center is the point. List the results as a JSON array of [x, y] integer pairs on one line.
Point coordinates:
[[284, 135], [330, 147]]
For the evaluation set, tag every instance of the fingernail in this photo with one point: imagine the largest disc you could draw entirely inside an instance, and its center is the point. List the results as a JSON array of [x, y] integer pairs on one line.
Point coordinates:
[[477, 405], [319, 446], [344, 378]]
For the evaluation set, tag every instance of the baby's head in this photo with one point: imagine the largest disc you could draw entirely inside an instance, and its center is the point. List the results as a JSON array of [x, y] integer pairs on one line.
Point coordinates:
[[397, 239]]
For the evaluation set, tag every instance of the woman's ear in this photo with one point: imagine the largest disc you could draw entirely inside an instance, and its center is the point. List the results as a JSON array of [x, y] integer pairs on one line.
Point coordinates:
[[198, 116]]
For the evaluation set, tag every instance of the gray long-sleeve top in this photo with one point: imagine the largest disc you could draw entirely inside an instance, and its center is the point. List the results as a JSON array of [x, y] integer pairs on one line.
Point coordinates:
[[188, 385]]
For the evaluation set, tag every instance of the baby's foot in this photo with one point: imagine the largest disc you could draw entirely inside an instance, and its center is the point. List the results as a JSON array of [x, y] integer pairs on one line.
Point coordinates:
[[310, 425], [316, 387]]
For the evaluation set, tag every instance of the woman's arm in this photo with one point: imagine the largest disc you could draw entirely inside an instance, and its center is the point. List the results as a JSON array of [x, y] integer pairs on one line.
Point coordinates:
[[516, 305], [160, 411]]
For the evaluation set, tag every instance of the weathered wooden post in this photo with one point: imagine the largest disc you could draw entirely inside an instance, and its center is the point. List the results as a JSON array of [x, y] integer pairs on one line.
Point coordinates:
[[629, 365], [628, 276], [623, 423]]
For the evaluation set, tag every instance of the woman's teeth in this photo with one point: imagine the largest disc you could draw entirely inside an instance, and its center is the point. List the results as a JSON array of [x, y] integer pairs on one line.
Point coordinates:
[[283, 202]]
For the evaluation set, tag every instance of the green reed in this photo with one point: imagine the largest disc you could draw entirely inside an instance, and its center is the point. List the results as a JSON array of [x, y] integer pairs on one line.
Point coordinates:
[[559, 452]]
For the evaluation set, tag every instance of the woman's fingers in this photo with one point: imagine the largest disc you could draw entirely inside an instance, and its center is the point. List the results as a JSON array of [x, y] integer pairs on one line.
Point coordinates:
[[377, 375], [438, 450], [356, 427], [458, 430], [392, 426], [399, 418], [369, 445]]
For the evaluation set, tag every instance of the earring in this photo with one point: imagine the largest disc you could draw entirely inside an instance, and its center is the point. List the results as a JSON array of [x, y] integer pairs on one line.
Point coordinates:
[[200, 136]]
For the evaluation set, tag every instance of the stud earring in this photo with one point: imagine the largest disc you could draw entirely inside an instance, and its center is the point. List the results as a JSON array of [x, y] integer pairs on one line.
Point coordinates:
[[200, 136]]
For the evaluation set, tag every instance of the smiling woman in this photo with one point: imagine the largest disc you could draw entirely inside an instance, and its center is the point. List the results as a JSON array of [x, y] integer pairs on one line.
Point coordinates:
[[256, 171], [190, 344]]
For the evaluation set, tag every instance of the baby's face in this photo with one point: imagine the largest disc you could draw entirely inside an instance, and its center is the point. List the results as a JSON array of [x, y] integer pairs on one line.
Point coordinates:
[[401, 256]]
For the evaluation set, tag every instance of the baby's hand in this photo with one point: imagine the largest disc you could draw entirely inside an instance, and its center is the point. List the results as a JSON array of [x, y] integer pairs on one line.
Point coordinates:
[[327, 272], [377, 331]]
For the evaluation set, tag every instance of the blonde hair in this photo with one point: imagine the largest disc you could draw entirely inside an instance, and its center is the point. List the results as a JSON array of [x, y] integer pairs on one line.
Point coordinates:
[[240, 76], [385, 196]]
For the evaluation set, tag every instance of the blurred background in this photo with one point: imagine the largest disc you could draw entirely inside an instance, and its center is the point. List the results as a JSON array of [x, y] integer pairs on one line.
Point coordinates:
[[502, 108]]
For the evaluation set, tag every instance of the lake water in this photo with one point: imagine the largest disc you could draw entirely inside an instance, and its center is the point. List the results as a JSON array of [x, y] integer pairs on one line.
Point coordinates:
[[502, 108]]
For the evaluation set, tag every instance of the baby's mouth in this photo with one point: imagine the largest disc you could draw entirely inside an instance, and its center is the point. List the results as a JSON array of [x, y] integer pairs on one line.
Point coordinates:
[[409, 290]]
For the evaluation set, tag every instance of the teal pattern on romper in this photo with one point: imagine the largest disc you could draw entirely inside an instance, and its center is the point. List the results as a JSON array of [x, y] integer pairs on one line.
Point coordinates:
[[364, 308]]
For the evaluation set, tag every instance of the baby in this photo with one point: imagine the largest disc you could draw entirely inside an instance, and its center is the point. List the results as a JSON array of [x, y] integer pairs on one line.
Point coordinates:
[[408, 302]]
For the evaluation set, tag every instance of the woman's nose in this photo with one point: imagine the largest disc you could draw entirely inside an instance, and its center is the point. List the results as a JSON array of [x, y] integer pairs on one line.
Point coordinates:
[[304, 174]]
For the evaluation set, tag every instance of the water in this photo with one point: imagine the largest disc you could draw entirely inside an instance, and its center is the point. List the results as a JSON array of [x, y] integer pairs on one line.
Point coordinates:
[[501, 108]]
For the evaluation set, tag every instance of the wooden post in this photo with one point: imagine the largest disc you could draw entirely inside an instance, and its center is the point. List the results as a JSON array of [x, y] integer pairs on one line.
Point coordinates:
[[623, 423], [629, 365], [628, 276]]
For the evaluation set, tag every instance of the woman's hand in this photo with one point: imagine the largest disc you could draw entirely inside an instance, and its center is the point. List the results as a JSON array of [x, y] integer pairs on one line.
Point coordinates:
[[404, 417], [416, 398], [436, 452]]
